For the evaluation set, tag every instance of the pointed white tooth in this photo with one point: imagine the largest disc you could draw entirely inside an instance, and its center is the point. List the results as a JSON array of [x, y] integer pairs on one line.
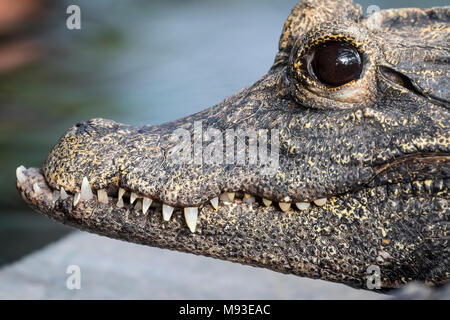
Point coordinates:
[[167, 212], [190, 214], [20, 174], [215, 203], [266, 202], [133, 197], [320, 202], [76, 199], [36, 188], [63, 194], [224, 198], [121, 193], [302, 205], [248, 199], [138, 206], [146, 202], [102, 196], [284, 206], [86, 192], [230, 195], [119, 198], [55, 195]]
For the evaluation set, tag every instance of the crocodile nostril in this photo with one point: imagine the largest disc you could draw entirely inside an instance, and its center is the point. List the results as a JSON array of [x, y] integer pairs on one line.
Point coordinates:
[[83, 128], [398, 78]]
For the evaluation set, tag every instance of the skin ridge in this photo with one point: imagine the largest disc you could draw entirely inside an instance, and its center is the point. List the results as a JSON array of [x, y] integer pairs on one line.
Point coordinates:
[[377, 148]]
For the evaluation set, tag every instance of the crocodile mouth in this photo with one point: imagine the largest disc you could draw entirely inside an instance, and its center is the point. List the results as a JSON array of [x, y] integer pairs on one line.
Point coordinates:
[[411, 176]]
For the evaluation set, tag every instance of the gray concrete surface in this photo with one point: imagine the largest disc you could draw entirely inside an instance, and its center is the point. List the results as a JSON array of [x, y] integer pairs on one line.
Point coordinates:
[[112, 269]]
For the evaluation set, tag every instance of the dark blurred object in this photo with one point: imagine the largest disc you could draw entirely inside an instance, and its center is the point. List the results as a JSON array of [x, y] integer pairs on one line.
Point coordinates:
[[17, 14], [18, 53], [17, 19]]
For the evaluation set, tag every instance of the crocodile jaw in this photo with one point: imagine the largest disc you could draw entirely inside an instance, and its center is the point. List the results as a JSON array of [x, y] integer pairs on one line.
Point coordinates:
[[338, 241]]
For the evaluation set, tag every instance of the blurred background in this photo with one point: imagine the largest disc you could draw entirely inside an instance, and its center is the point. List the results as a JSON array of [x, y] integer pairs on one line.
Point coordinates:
[[137, 62]]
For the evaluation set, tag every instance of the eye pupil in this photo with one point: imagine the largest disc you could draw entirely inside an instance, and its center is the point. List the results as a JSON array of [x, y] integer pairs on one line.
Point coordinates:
[[336, 63]]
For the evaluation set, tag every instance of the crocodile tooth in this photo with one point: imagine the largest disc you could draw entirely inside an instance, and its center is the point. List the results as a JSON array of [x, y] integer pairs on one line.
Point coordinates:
[[224, 198], [146, 202], [86, 192], [215, 203], [121, 193], [63, 194], [266, 202], [284, 206], [133, 197], [55, 195], [138, 206], [102, 196], [20, 174], [320, 202], [230, 196], [167, 212], [36, 188], [302, 205], [76, 199], [190, 214], [119, 198], [248, 199], [427, 184]]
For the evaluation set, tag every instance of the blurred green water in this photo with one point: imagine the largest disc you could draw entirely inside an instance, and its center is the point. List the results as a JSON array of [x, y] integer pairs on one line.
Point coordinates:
[[139, 62]]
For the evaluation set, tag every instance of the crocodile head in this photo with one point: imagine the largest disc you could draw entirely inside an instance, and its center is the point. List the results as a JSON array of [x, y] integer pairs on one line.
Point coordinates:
[[334, 164]]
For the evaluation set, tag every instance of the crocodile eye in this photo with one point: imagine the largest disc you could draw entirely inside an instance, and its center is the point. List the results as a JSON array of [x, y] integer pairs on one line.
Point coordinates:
[[335, 63]]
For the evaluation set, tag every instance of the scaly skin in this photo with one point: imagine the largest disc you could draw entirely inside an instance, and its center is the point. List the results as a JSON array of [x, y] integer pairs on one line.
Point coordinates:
[[377, 148]]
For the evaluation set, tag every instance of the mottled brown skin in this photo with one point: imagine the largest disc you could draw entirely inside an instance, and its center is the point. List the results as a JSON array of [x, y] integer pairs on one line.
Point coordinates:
[[377, 148]]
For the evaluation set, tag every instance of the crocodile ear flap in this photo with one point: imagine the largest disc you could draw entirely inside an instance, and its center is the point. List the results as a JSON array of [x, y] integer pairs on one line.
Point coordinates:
[[309, 13], [415, 44]]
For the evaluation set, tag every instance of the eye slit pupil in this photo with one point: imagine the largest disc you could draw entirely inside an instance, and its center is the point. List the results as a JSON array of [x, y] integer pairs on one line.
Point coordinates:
[[336, 63]]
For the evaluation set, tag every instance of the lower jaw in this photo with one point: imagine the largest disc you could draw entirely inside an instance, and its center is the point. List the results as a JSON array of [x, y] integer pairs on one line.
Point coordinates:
[[338, 241]]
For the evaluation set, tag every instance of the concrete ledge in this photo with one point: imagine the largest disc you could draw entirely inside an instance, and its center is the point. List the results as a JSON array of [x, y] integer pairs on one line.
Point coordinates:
[[112, 269]]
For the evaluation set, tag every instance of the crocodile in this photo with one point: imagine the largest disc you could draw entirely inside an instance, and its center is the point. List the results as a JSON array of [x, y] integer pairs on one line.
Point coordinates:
[[334, 165]]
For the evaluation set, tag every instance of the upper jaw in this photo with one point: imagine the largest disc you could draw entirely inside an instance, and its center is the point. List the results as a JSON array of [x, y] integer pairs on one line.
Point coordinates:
[[136, 160], [116, 158]]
